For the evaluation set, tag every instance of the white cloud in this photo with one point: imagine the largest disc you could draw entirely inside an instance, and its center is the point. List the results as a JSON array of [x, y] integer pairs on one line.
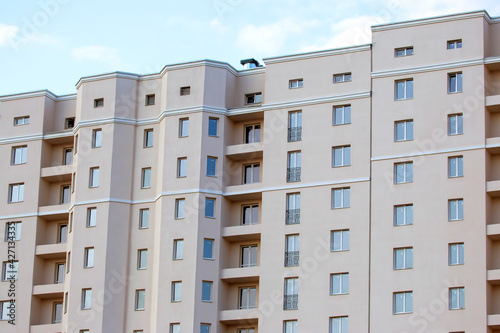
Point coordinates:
[[95, 53], [216, 25], [7, 33]]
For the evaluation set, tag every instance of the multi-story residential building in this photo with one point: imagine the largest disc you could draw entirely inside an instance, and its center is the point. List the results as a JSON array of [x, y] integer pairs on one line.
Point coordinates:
[[346, 190]]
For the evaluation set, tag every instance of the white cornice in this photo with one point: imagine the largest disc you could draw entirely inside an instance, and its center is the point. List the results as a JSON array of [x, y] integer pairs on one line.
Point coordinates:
[[312, 101], [433, 20], [107, 76], [492, 60], [40, 93], [244, 110], [424, 69], [430, 152], [317, 54], [34, 137]]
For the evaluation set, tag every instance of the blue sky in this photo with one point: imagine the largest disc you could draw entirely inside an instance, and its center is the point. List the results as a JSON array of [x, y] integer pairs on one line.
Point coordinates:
[[50, 44]]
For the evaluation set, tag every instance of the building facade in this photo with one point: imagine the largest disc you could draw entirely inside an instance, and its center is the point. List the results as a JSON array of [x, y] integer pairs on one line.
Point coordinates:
[[346, 190]]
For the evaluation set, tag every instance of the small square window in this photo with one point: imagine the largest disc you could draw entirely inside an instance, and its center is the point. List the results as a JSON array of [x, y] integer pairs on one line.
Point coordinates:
[[98, 102], [183, 127], [185, 91], [297, 83], [69, 122], [255, 98], [457, 298], [454, 44], [208, 249], [144, 218], [148, 138], [455, 83], [455, 124], [210, 207], [339, 284], [341, 115], [175, 328], [16, 193], [404, 89], [213, 126], [456, 210], [403, 215], [290, 326], [403, 172], [403, 258], [339, 240], [456, 254], [150, 99], [403, 302], [455, 166], [403, 130], [341, 198], [403, 51], [19, 155], [18, 121], [344, 77], [341, 156]]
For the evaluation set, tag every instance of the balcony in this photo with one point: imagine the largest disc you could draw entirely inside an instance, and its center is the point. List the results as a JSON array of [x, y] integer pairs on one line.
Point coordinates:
[[241, 232], [51, 251], [48, 328], [295, 134], [293, 174], [240, 275], [59, 211], [247, 151], [493, 231], [60, 173], [49, 290], [292, 258], [239, 317], [493, 188], [291, 302], [292, 216], [494, 321], [493, 103], [251, 191]]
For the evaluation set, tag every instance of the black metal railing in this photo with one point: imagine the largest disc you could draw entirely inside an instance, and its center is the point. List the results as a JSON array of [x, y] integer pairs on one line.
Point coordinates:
[[295, 134], [293, 174], [292, 216], [291, 258], [291, 302]]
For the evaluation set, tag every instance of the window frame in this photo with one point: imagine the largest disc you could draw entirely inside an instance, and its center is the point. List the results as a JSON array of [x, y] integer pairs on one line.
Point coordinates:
[[19, 188], [253, 98], [91, 217], [210, 251], [405, 137], [94, 177], [405, 295], [140, 297], [180, 208], [407, 258], [210, 207], [251, 166], [345, 197], [23, 155], [211, 126], [89, 257], [207, 284], [343, 321], [405, 215], [459, 166], [25, 120], [142, 259], [150, 99], [16, 232], [406, 50], [407, 176], [185, 91], [343, 241], [460, 298], [343, 77], [250, 207], [142, 214], [295, 83], [86, 303], [345, 110], [459, 253], [178, 252], [408, 90], [98, 102], [455, 83], [183, 127], [146, 178], [345, 160], [176, 292], [459, 211], [97, 138], [148, 138], [457, 44], [210, 160], [456, 127], [343, 286]]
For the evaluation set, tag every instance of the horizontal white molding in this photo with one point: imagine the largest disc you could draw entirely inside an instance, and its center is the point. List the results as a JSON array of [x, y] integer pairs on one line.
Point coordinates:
[[244, 110], [433, 20], [40, 93], [18, 216], [431, 152], [320, 100], [431, 68], [107, 76], [317, 54], [24, 138], [492, 60]]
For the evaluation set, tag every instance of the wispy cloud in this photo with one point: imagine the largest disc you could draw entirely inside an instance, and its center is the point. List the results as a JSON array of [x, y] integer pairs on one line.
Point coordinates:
[[7, 33]]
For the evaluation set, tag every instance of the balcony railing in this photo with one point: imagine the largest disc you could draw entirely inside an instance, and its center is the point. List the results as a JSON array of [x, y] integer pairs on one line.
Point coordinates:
[[292, 216], [291, 258], [295, 134], [291, 302], [293, 174]]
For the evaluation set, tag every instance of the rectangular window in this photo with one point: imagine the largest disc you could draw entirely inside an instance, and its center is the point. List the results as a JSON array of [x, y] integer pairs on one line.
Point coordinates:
[[142, 259], [341, 115], [341, 198], [403, 302], [339, 240], [344, 77], [294, 169], [16, 193], [5, 311], [98, 102], [456, 254], [403, 215], [208, 249], [76, 144], [211, 166], [96, 138], [403, 258], [251, 173], [146, 178], [175, 328], [150, 99], [341, 156], [403, 51], [67, 156], [59, 278], [86, 299], [339, 325], [178, 249], [457, 298], [403, 130], [70, 222], [455, 124], [94, 177], [403, 172], [252, 133], [249, 254], [148, 138], [455, 84], [183, 127], [65, 194], [89, 257], [210, 207], [454, 44], [291, 297], [206, 291], [179, 208], [19, 155], [293, 208], [297, 83], [10, 270], [294, 126], [144, 218], [186, 91], [404, 89], [455, 209], [140, 299], [176, 291], [455, 166], [65, 302], [13, 231], [339, 284], [181, 167], [246, 330], [68, 262], [213, 126], [205, 328], [248, 298], [290, 326], [250, 214], [21, 120], [292, 250], [255, 98], [69, 122], [91, 217], [62, 234], [57, 313]]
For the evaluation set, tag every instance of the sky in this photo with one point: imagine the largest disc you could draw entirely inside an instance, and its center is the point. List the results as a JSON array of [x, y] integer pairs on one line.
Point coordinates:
[[51, 44]]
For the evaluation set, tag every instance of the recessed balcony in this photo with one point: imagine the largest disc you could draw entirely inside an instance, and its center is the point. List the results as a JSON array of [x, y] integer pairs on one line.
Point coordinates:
[[493, 103], [242, 232], [48, 328], [49, 290], [51, 251], [239, 317], [60, 173], [246, 151], [240, 274], [494, 321], [493, 231], [493, 188], [54, 211], [250, 191]]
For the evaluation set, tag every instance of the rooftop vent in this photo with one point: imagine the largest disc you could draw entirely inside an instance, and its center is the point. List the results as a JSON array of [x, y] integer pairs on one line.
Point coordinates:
[[250, 63]]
